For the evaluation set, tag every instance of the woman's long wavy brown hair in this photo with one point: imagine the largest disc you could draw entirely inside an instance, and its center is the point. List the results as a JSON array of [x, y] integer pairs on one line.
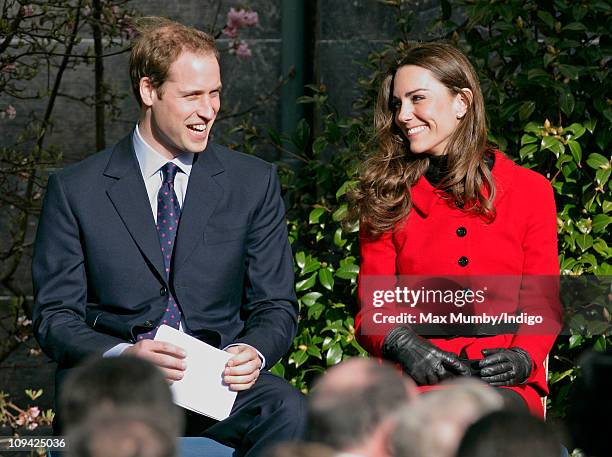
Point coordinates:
[[382, 198]]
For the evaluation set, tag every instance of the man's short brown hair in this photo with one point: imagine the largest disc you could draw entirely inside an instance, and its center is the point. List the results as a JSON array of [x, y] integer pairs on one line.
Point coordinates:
[[158, 44]]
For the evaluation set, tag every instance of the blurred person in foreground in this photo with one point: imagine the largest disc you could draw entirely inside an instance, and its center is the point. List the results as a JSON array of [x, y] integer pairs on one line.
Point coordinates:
[[444, 211], [350, 409], [169, 228], [591, 405], [433, 425], [509, 434], [121, 433]]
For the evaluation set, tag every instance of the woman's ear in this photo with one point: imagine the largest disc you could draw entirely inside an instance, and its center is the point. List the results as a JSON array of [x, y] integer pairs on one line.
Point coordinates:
[[463, 100]]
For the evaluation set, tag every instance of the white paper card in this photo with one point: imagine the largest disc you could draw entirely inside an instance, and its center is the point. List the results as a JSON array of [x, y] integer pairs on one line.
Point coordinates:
[[202, 389]]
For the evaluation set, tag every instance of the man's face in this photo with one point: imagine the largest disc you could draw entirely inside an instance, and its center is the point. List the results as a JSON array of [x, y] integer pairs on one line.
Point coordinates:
[[181, 116]]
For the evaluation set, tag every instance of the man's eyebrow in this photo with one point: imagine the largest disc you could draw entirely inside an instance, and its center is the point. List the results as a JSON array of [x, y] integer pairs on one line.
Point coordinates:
[[199, 91]]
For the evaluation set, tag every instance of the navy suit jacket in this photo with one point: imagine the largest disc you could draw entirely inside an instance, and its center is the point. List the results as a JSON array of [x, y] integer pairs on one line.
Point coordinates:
[[99, 274]]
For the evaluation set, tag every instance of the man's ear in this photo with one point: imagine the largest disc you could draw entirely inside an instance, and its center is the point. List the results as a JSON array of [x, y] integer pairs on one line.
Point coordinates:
[[147, 92], [463, 100]]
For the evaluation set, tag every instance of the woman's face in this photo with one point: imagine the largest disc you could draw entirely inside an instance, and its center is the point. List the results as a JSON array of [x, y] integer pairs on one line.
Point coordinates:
[[425, 110]]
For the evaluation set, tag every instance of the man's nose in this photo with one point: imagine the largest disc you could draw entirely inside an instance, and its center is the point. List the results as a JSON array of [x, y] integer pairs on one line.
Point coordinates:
[[206, 110]]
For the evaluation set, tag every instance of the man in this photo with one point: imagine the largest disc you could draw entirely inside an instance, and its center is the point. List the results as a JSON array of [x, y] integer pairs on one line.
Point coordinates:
[[351, 408], [168, 228]]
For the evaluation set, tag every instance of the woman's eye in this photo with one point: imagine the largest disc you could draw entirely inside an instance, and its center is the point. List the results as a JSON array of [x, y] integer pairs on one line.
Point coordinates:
[[395, 105], [416, 98]]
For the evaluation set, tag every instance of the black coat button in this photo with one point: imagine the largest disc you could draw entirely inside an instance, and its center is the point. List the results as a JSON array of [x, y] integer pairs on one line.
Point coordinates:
[[163, 291], [461, 231], [148, 324], [463, 261]]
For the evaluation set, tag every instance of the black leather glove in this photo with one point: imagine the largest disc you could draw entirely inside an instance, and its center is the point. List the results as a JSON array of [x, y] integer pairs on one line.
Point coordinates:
[[420, 359], [505, 367]]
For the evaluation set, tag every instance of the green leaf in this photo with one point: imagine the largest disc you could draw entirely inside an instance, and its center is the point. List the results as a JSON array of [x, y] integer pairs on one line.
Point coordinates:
[[340, 213], [299, 357], [315, 214], [315, 311], [347, 271], [528, 139], [326, 278], [338, 240], [575, 341], [278, 370], [526, 110], [318, 145], [577, 130], [334, 355], [600, 222], [584, 241], [547, 18], [576, 150], [528, 150], [307, 283], [602, 176], [345, 187], [311, 265], [569, 71], [567, 102], [590, 125], [553, 144], [575, 26], [310, 298], [600, 344], [602, 248], [596, 161], [300, 259]]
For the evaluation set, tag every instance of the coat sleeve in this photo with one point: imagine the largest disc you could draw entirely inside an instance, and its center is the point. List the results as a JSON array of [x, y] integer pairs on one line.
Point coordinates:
[[378, 266], [270, 304], [539, 294], [60, 284]]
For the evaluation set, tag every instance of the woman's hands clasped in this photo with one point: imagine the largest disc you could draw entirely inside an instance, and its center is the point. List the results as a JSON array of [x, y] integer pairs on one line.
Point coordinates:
[[424, 362]]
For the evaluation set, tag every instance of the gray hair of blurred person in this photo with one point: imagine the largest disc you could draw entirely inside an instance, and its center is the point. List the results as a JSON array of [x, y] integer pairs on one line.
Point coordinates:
[[121, 433], [300, 449], [434, 425], [344, 411], [116, 384]]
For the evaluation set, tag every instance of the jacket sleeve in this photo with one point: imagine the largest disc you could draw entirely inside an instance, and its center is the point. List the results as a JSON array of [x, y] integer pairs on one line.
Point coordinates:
[[270, 304], [60, 284], [377, 270], [539, 294]]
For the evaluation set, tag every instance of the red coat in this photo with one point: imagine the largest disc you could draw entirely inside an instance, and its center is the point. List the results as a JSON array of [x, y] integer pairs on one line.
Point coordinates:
[[521, 241]]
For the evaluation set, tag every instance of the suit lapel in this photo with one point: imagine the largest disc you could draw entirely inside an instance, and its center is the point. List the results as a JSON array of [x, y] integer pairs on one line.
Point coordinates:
[[129, 197], [204, 192]]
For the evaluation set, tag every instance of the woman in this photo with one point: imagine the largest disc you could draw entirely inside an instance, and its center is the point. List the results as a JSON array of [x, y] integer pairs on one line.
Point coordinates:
[[436, 199]]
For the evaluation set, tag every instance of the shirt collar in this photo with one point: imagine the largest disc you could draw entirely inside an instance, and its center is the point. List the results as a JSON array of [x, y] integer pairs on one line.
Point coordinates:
[[150, 161]]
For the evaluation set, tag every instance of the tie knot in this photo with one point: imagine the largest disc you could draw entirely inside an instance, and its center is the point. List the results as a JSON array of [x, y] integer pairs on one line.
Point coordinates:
[[169, 170]]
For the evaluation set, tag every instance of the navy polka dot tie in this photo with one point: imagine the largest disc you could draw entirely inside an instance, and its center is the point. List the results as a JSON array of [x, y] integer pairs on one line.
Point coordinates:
[[168, 216]]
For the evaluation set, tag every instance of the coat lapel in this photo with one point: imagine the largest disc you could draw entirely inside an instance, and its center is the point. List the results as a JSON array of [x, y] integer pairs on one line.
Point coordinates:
[[129, 197], [204, 192]]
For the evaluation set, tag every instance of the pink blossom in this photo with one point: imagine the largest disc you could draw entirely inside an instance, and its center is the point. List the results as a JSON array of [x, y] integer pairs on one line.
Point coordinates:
[[11, 112], [231, 32], [237, 19], [243, 50], [33, 412], [27, 10], [22, 419]]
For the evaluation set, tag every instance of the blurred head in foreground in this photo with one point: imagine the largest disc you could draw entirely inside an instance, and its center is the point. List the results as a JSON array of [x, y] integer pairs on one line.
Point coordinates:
[[434, 425], [350, 407]]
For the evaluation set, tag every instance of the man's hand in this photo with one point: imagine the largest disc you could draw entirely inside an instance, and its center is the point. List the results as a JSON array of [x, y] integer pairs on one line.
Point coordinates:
[[168, 357], [242, 370], [505, 367], [420, 359]]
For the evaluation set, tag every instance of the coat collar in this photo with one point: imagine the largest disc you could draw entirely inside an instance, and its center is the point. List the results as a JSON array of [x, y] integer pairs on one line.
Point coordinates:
[[128, 195], [424, 195]]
